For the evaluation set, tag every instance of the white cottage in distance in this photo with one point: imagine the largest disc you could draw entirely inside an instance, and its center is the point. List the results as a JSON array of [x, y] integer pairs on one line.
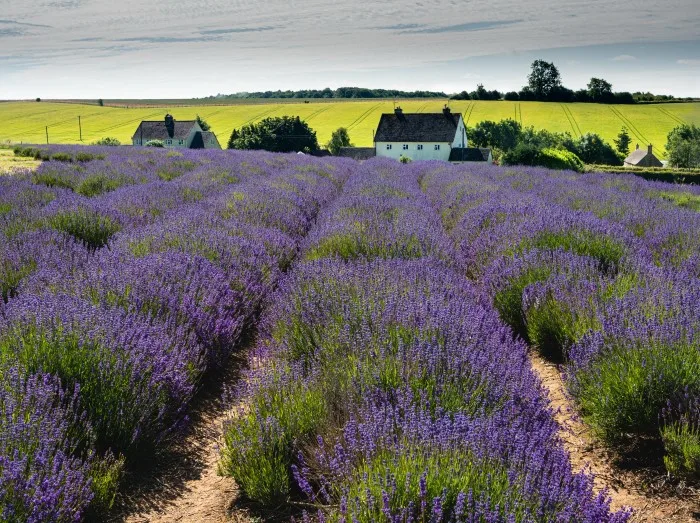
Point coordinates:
[[420, 136]]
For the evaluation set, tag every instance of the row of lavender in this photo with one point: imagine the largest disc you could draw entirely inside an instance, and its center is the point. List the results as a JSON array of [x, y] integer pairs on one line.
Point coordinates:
[[384, 386], [601, 272], [115, 306]]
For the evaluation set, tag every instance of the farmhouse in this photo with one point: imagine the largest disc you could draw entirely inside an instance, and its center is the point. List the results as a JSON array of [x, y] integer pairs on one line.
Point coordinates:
[[429, 136], [642, 158], [186, 134]]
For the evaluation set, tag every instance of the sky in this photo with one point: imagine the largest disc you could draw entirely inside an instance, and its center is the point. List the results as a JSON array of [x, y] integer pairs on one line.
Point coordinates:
[[196, 48]]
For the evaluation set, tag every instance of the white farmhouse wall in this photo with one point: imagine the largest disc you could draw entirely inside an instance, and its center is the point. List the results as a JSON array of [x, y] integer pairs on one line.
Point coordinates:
[[461, 135], [413, 152]]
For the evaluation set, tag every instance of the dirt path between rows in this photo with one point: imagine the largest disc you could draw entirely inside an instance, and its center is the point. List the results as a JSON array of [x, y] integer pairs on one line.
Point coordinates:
[[625, 488], [183, 486]]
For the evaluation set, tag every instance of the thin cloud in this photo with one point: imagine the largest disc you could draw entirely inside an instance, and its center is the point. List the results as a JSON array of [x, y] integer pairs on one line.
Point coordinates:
[[22, 24], [399, 27], [462, 28], [688, 61], [624, 58], [166, 39], [235, 30]]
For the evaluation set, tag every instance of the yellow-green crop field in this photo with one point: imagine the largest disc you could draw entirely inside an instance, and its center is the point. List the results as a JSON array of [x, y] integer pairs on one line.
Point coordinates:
[[26, 122]]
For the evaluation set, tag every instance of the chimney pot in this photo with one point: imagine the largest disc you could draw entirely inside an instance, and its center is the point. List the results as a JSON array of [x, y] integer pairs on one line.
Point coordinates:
[[649, 149], [446, 110]]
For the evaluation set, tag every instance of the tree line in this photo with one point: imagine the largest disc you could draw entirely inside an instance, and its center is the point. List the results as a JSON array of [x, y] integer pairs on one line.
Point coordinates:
[[328, 93], [544, 84]]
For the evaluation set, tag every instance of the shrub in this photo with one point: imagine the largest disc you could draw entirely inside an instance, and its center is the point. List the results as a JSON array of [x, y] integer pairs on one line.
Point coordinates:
[[90, 227], [560, 159], [109, 142], [155, 143], [62, 157]]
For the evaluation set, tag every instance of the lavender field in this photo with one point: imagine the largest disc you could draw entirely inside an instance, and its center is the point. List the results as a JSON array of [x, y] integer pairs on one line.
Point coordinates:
[[395, 309]]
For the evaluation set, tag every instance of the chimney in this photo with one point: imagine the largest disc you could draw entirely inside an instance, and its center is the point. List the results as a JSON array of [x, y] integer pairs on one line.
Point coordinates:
[[649, 149], [170, 125], [637, 147], [446, 110], [398, 111]]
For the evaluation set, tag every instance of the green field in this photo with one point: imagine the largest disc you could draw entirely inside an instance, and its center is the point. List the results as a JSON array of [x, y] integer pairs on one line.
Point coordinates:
[[26, 122]]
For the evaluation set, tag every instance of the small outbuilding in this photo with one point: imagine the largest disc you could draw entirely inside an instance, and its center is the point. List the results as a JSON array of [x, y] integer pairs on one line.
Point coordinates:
[[357, 153], [471, 154], [642, 158]]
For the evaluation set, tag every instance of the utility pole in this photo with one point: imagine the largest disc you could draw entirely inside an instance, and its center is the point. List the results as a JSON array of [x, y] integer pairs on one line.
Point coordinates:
[[80, 128], [47, 135]]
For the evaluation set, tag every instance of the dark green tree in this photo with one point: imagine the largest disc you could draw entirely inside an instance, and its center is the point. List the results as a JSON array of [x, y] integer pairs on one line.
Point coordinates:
[[544, 79], [503, 135], [276, 134], [203, 123], [235, 135], [592, 149], [339, 138], [101, 102], [683, 146], [600, 91], [622, 142]]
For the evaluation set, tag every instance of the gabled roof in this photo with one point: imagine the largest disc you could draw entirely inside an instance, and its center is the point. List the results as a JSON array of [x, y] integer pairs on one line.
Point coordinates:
[[643, 158], [417, 127], [469, 154], [157, 130], [357, 153], [201, 138]]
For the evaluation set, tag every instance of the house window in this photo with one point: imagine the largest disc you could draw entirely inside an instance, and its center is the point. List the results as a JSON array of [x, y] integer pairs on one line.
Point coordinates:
[[420, 146], [405, 147], [437, 146], [388, 147], [168, 142], [181, 142]]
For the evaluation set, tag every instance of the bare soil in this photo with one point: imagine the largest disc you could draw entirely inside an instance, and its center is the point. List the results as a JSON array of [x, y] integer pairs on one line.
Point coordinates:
[[630, 481], [183, 485]]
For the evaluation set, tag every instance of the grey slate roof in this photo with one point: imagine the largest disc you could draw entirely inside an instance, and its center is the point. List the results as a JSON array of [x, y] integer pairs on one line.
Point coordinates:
[[357, 153], [157, 130], [417, 127], [469, 154], [643, 157]]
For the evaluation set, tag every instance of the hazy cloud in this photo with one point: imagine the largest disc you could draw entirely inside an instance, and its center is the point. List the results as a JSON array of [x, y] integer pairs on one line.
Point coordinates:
[[688, 61], [624, 58], [236, 30], [462, 28]]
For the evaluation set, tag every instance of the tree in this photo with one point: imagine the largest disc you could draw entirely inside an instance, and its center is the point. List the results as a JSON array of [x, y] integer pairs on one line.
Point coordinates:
[[339, 138], [511, 96], [276, 134], [38, 99], [502, 135], [622, 142], [544, 79], [592, 149], [235, 135], [600, 91], [100, 102], [203, 123], [683, 146]]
